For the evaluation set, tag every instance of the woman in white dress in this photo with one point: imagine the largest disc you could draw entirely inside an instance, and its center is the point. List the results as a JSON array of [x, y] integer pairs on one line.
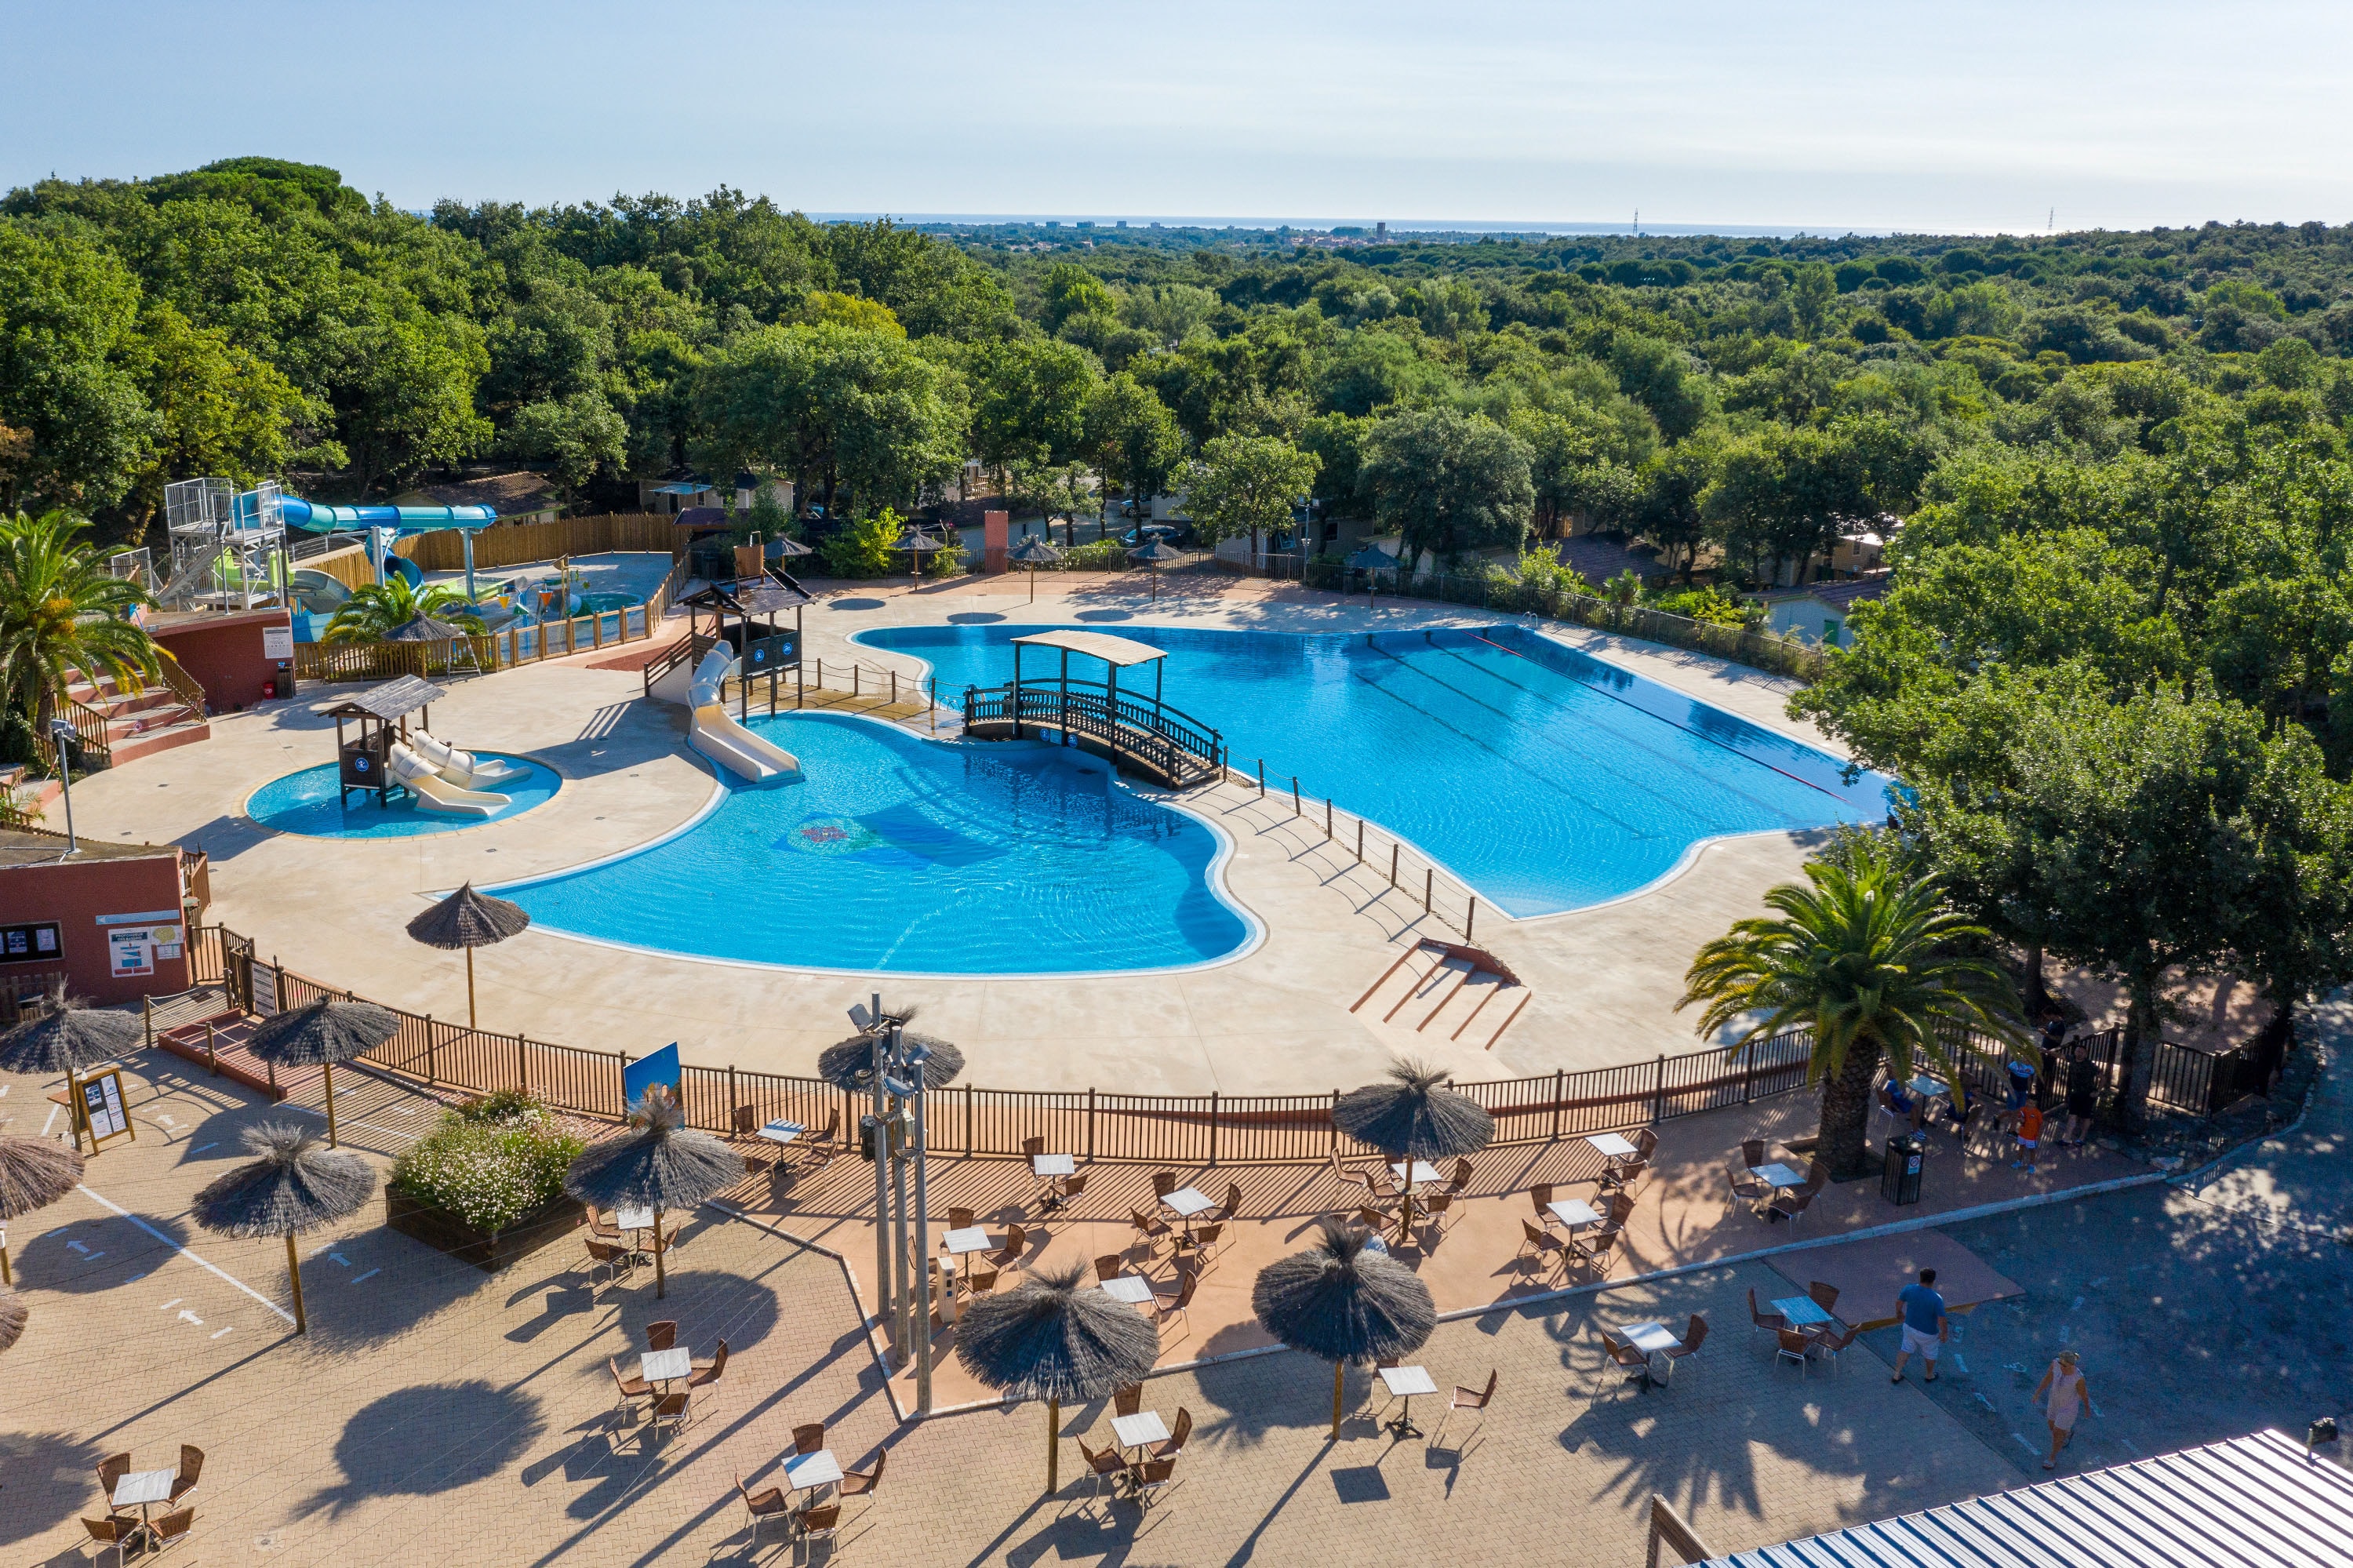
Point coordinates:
[[2069, 1393]]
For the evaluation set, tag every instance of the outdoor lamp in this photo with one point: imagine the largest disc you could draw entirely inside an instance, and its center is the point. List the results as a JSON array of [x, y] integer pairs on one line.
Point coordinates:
[[899, 1087]]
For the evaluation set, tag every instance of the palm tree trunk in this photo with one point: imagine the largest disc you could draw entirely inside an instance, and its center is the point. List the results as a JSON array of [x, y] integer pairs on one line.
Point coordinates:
[[1846, 1111], [2038, 995]]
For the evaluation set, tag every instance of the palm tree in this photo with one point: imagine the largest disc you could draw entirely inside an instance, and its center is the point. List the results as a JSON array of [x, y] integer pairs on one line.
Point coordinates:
[[374, 612], [1870, 961], [62, 611]]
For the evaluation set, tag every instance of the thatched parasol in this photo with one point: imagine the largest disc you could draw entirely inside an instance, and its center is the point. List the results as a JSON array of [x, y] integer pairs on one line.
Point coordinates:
[[659, 1163], [1049, 1338], [295, 1186], [320, 1035], [1341, 1302], [13, 1314], [917, 545], [426, 629], [849, 1066], [468, 919], [1033, 552], [70, 1037], [1152, 554], [34, 1174], [1412, 1117]]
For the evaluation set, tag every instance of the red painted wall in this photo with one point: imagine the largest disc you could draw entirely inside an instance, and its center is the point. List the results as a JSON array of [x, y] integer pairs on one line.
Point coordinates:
[[75, 893], [224, 657]]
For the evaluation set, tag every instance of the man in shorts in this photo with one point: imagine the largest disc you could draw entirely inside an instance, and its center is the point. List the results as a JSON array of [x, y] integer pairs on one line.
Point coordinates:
[[2083, 1094], [1924, 1324]]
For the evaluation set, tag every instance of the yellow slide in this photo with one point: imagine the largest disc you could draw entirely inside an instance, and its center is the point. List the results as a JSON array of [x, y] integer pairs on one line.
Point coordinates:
[[435, 793], [716, 734]]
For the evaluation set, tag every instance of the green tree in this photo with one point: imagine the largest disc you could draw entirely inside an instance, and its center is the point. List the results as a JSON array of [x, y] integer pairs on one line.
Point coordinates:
[[1029, 402], [375, 610], [68, 312], [865, 548], [408, 401], [1450, 482], [61, 612], [1868, 961], [1133, 438], [575, 436], [1811, 294], [1246, 484], [1073, 290]]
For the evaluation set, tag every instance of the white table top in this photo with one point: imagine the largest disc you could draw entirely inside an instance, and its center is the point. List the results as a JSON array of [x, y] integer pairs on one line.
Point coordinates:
[[144, 1486], [782, 1131], [1800, 1310], [1926, 1088], [660, 1366], [1053, 1164], [818, 1469], [1132, 1288], [1423, 1172], [634, 1219], [973, 1238], [1650, 1338], [1134, 1431], [1409, 1380], [1189, 1201], [1611, 1144], [1574, 1212], [1778, 1175]]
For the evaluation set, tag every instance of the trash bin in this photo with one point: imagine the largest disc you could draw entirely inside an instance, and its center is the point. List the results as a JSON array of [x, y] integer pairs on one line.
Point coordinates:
[[1899, 1178]]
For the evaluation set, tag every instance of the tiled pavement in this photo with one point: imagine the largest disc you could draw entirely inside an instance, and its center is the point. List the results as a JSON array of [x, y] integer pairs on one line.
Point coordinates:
[[437, 1414]]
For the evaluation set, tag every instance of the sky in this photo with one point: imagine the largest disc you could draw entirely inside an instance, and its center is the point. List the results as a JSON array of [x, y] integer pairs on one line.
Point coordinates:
[[1826, 116]]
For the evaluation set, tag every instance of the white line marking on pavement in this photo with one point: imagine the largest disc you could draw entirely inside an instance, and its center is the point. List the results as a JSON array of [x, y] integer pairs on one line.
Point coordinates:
[[188, 1317], [183, 1252], [175, 1301], [224, 1332], [339, 1257], [2024, 1444], [51, 1122], [363, 1278]]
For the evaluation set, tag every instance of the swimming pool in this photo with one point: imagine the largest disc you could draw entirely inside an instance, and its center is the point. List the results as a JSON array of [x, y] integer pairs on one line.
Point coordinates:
[[1546, 779], [905, 855], [308, 803]]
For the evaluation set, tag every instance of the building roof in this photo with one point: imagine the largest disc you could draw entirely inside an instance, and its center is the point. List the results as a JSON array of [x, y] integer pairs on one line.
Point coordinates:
[[387, 701], [1840, 593], [39, 846], [508, 495], [701, 516], [762, 595], [1116, 651], [1598, 558], [2252, 1502]]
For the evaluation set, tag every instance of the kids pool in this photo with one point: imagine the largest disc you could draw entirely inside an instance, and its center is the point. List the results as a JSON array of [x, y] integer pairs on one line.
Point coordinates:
[[308, 802]]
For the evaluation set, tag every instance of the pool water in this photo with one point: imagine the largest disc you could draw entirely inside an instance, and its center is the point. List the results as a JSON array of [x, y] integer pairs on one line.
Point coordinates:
[[603, 603], [1546, 779], [307, 802], [906, 855]]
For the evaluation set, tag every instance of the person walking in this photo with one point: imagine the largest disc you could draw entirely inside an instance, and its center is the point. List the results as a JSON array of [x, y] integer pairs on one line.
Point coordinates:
[[2083, 1093], [2069, 1394], [2029, 1137], [1925, 1324]]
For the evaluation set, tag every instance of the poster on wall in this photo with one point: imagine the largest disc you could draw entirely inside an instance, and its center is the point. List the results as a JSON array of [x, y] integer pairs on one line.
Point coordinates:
[[129, 950], [38, 941], [277, 642], [135, 942]]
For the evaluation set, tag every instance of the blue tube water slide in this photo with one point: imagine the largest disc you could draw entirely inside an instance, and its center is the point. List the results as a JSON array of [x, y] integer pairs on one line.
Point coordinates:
[[318, 519]]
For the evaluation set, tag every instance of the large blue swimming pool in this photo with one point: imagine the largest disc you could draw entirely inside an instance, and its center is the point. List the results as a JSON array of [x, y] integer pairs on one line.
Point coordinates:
[[1546, 779], [906, 855]]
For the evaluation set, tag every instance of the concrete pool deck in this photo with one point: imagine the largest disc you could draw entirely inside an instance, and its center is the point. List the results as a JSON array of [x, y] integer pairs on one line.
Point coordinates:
[[1604, 981]]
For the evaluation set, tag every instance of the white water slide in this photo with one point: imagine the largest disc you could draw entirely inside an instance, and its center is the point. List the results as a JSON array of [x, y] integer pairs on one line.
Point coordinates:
[[716, 734]]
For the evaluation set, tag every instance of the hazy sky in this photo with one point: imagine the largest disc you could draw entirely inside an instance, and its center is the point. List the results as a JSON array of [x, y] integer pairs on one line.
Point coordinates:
[[1827, 115]]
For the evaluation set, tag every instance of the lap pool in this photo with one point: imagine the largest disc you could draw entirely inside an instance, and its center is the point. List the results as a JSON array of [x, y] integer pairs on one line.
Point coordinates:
[[905, 855], [1546, 779]]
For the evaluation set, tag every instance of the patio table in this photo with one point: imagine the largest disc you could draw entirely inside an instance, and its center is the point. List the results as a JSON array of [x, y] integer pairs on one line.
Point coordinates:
[[1051, 1169], [1423, 1173], [818, 1469], [1405, 1383], [1574, 1213], [1613, 1148], [1802, 1311], [145, 1489], [972, 1238], [1776, 1175], [1658, 1342], [1135, 1431], [781, 1131], [666, 1366], [1132, 1288], [1186, 1201]]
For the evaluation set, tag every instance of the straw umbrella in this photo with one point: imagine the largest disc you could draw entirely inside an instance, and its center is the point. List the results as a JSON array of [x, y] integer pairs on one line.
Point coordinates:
[[34, 1174], [468, 919], [1033, 552], [1050, 1338], [1414, 1116], [71, 1037], [917, 545], [1152, 554], [1345, 1303], [295, 1186], [849, 1066], [13, 1314], [659, 1163], [322, 1034]]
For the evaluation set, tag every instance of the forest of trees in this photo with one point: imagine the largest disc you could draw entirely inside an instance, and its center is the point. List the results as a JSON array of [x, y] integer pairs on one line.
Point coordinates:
[[2116, 662]]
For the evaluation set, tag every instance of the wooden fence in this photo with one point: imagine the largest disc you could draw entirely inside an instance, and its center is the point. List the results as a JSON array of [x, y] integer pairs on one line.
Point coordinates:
[[515, 544]]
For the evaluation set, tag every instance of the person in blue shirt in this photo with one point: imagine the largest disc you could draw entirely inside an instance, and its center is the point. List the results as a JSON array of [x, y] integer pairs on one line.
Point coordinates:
[[1924, 1324]]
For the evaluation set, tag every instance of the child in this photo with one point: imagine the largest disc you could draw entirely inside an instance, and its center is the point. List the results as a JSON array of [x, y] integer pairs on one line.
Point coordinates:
[[2029, 1137]]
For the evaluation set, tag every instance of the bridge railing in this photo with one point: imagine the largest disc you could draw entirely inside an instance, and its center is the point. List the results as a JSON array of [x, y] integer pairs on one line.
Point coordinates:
[[1154, 733]]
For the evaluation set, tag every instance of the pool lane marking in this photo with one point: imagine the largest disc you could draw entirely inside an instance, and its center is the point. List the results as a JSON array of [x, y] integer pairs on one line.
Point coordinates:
[[1663, 719], [183, 1252]]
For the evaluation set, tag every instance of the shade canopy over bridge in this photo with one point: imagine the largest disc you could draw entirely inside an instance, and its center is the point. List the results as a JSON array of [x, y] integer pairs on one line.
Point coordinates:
[[1151, 738]]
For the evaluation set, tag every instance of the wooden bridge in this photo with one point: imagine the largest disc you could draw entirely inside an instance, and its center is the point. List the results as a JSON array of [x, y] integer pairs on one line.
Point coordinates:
[[1141, 733]]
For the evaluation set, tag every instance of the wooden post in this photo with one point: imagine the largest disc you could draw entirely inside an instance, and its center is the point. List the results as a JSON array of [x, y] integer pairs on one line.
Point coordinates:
[[1053, 1446], [472, 1021], [1557, 1091], [1393, 860], [1360, 841], [147, 1019], [212, 1048], [1213, 1127], [1295, 794], [523, 1072], [1429, 882], [1262, 778], [294, 1273], [1337, 1368], [1658, 1093], [1668, 1528], [1469, 916], [1327, 818]]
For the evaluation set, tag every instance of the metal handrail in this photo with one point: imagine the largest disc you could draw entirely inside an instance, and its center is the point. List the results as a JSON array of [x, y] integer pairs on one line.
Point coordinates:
[[1180, 746]]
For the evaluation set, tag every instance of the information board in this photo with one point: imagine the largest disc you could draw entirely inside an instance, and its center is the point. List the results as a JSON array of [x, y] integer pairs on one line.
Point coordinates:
[[134, 949], [37, 942], [102, 1106], [277, 642]]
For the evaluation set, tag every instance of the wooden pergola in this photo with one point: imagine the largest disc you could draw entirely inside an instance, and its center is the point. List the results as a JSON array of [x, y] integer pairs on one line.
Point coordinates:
[[762, 597], [366, 762]]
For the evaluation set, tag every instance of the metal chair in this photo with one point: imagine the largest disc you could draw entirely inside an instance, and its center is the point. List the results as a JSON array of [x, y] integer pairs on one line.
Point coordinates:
[[672, 1411], [171, 1529], [1540, 1195], [1106, 1465], [1834, 1345], [1164, 1308], [1476, 1399], [1790, 1346], [1539, 1242], [1017, 1243], [1163, 1184], [1109, 1266], [1752, 1153], [962, 1219], [626, 1389], [820, 1523], [709, 1372], [1623, 1355], [1767, 1322], [111, 1469], [1694, 1335], [1824, 1295], [1174, 1444], [1151, 1479], [662, 1335], [191, 1466], [862, 1483], [1150, 1228], [116, 1530], [1127, 1400], [1232, 1208], [765, 1506], [1203, 1242], [808, 1438]]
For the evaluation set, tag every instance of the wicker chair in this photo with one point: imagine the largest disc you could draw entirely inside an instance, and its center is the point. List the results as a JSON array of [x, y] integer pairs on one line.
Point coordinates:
[[1791, 1345], [1767, 1322], [709, 1372], [1127, 1400], [820, 1523], [808, 1438], [1150, 1228], [1476, 1399], [191, 1466], [862, 1483], [1174, 1444], [1109, 1266], [1539, 1244], [1106, 1465], [765, 1506], [1017, 1244]]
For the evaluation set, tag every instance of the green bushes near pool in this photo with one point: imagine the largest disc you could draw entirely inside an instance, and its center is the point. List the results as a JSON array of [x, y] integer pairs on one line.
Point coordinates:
[[491, 1162]]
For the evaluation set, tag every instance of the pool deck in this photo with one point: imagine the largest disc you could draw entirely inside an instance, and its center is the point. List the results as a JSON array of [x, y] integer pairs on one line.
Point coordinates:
[[1604, 981]]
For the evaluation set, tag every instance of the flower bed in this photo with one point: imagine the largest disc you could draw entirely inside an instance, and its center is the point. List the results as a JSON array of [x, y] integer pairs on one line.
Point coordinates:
[[487, 1185]]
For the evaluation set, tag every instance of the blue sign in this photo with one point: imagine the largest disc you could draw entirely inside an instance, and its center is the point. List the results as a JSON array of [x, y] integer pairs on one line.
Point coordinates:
[[661, 1068]]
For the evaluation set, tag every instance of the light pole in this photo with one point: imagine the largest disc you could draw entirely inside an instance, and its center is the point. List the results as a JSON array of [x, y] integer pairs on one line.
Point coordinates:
[[61, 731], [879, 1131], [911, 1059]]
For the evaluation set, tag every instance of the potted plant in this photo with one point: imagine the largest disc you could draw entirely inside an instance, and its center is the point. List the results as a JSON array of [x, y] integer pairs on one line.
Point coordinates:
[[487, 1185]]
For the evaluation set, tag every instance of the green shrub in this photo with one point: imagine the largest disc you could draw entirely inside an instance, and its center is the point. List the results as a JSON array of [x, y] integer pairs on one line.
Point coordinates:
[[863, 548], [1095, 556], [948, 563], [1705, 604], [492, 1160]]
